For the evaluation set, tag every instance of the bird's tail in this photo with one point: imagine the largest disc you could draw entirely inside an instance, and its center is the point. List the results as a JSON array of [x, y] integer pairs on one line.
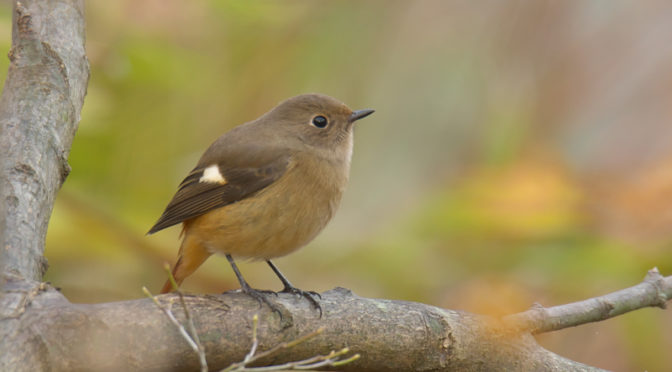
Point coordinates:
[[190, 257]]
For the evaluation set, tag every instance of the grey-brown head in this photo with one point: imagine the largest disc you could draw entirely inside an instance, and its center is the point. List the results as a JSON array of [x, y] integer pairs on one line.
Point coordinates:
[[316, 120]]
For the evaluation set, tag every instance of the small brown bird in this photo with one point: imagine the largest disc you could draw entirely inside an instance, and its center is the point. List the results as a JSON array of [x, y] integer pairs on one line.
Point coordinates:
[[265, 189]]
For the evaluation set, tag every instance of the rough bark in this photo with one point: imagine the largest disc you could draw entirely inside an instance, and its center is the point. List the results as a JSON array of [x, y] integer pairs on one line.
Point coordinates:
[[39, 113], [136, 335]]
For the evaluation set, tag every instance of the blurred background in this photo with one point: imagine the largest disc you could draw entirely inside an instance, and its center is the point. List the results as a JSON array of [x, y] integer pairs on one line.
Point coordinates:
[[520, 152]]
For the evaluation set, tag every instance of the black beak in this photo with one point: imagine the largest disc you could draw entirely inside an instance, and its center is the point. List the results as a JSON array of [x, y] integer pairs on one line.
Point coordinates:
[[360, 114]]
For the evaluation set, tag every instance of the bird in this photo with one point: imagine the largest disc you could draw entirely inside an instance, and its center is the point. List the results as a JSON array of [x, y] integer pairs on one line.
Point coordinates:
[[264, 189]]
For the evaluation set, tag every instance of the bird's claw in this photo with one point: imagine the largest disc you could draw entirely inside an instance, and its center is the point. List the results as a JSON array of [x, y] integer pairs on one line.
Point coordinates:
[[260, 296], [309, 295]]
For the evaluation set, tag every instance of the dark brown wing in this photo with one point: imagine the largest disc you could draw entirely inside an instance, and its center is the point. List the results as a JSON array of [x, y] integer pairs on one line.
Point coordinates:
[[195, 197]]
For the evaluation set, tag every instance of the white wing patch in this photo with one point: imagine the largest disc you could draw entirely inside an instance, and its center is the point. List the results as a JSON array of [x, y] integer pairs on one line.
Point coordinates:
[[211, 174]]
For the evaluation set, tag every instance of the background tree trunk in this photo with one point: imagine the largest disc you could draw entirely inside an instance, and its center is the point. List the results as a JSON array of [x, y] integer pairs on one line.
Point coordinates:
[[39, 113]]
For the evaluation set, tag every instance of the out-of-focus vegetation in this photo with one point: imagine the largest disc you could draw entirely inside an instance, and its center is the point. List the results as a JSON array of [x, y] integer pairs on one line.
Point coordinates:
[[520, 152]]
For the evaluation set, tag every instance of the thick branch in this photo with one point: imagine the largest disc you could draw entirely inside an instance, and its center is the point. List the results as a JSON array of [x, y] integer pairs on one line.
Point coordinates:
[[136, 335], [39, 113], [654, 291], [389, 335]]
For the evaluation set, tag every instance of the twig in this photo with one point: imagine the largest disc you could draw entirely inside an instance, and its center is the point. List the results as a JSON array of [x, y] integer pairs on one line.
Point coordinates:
[[190, 336], [190, 321], [331, 359], [170, 316], [255, 340], [654, 291]]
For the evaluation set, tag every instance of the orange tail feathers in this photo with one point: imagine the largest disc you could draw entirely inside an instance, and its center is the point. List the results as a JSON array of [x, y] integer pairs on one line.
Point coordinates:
[[191, 256], [168, 286]]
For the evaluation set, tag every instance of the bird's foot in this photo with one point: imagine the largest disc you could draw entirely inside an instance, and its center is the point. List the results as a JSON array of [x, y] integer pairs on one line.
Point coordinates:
[[260, 296], [309, 295]]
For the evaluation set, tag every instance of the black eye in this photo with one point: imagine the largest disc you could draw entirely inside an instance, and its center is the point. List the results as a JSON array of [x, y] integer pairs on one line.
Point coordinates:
[[320, 121]]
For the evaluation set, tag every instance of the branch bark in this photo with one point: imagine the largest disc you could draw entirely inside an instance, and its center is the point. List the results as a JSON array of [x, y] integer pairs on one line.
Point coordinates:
[[654, 291], [389, 335], [39, 113]]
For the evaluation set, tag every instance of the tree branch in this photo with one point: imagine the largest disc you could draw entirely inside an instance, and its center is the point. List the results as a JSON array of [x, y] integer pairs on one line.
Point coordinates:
[[389, 335], [39, 112], [136, 335], [654, 291]]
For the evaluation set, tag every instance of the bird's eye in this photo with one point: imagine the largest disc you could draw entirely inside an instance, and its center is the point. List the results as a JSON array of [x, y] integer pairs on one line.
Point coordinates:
[[320, 121]]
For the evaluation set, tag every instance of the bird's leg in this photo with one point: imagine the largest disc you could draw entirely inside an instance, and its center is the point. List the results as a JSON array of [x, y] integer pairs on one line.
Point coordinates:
[[254, 293], [289, 288]]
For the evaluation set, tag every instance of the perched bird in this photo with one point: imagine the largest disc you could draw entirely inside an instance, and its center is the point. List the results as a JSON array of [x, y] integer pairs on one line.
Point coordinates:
[[265, 189]]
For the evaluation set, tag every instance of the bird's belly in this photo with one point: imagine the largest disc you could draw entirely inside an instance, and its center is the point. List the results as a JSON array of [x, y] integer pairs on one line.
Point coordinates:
[[273, 223]]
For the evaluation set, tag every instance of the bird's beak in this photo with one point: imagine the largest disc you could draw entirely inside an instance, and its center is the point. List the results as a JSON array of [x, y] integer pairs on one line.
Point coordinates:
[[360, 114]]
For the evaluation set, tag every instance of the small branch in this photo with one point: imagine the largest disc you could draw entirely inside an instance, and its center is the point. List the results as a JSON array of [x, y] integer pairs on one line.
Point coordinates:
[[654, 291], [255, 344], [192, 336], [319, 361], [330, 360], [190, 321], [251, 358], [185, 335]]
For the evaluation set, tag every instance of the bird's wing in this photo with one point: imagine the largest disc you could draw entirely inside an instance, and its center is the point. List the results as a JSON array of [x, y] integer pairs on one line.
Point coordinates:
[[213, 185]]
